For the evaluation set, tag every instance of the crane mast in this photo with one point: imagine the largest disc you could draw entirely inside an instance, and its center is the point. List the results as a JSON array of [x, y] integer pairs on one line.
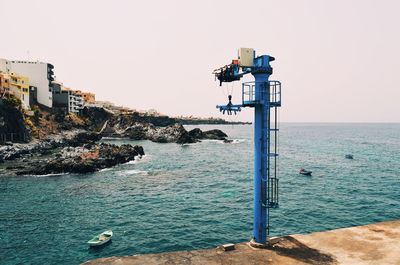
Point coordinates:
[[265, 97]]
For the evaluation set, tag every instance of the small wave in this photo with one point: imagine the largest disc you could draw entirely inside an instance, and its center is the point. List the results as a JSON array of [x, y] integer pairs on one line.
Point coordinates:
[[130, 172], [49, 175], [139, 159], [135, 171], [238, 141], [106, 138], [106, 169], [211, 141], [184, 145], [231, 141]]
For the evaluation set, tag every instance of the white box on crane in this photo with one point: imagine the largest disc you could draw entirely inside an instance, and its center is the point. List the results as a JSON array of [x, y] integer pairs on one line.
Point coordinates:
[[246, 57]]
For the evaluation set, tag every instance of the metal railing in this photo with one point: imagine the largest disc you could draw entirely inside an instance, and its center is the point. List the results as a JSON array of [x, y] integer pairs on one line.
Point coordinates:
[[251, 97], [13, 137]]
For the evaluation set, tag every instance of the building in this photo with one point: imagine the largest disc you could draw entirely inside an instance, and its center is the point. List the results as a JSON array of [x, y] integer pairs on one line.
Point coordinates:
[[87, 97], [66, 97], [40, 75], [19, 87], [32, 96]]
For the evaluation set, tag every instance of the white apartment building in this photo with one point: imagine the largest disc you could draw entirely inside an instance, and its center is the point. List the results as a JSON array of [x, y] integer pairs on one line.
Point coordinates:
[[40, 75]]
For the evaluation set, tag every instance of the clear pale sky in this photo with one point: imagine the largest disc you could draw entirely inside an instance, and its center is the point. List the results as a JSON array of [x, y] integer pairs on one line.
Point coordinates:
[[338, 61]]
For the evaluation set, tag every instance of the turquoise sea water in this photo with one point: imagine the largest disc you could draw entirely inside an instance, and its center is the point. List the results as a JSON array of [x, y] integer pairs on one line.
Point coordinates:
[[200, 195]]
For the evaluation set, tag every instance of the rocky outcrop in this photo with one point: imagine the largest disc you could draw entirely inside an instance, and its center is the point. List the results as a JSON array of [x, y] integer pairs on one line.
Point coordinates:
[[83, 138], [85, 159], [211, 134], [160, 129], [12, 125], [96, 117], [72, 152], [170, 134], [45, 146]]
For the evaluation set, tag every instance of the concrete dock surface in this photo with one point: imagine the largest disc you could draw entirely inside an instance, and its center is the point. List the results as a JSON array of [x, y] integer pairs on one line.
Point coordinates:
[[377, 243]]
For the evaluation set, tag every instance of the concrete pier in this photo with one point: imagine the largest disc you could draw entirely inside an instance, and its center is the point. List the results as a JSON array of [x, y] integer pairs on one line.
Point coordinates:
[[369, 244]]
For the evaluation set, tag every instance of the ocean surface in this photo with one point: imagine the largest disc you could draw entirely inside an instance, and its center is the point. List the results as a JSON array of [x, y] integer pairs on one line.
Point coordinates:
[[200, 195]]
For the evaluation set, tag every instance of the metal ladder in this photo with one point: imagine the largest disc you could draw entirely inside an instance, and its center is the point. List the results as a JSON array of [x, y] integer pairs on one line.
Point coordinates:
[[270, 195]]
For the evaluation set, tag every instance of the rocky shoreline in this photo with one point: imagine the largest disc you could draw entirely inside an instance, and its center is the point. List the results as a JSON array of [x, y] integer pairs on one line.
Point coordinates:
[[79, 150]]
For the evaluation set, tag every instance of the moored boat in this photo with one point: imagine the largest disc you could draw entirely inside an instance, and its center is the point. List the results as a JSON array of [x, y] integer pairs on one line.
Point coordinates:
[[101, 239], [305, 172]]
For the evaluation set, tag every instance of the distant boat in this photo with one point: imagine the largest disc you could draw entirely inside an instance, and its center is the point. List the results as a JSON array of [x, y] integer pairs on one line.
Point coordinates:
[[349, 156], [101, 239], [305, 172]]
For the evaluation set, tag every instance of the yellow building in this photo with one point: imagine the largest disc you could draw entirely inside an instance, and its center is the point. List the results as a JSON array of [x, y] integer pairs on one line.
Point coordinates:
[[87, 97], [19, 87]]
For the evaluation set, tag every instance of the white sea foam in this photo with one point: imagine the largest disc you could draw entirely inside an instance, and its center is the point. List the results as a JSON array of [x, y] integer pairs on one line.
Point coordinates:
[[106, 138], [106, 169], [211, 141], [139, 159], [238, 141], [135, 171], [234, 141], [49, 175]]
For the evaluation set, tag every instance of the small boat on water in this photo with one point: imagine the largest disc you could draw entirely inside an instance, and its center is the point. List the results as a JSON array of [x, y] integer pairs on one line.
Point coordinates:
[[305, 172], [101, 239], [349, 156]]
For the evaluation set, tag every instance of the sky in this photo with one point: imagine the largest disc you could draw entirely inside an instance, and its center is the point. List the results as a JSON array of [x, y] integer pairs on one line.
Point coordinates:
[[338, 61]]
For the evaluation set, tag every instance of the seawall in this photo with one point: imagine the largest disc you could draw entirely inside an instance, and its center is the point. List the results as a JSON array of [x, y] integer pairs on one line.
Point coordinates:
[[377, 243]]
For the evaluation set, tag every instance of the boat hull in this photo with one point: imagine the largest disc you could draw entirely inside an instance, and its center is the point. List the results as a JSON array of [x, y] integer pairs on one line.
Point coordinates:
[[101, 239]]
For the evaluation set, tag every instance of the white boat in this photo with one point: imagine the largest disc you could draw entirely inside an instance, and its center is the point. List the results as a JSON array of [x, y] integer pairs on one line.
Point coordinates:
[[101, 239]]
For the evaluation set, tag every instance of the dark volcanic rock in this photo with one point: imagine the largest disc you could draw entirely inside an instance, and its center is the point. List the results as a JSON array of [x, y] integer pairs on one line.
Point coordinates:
[[215, 134], [12, 123], [82, 160], [160, 129], [169, 134], [84, 138], [175, 133], [96, 117], [211, 134], [196, 133], [186, 138], [136, 132]]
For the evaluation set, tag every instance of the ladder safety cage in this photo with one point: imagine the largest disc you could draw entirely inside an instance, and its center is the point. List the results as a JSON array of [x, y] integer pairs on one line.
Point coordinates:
[[273, 159]]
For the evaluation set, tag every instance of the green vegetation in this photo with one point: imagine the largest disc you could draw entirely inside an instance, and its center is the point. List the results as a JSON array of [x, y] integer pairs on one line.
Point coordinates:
[[12, 101]]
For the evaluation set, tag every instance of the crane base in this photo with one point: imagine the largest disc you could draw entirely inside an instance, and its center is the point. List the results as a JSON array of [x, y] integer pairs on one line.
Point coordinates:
[[254, 244], [271, 241]]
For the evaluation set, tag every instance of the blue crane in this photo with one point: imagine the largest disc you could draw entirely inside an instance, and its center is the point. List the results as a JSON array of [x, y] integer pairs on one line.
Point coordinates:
[[265, 97]]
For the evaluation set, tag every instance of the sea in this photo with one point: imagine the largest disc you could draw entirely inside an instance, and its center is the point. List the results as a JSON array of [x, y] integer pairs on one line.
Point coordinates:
[[197, 196]]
